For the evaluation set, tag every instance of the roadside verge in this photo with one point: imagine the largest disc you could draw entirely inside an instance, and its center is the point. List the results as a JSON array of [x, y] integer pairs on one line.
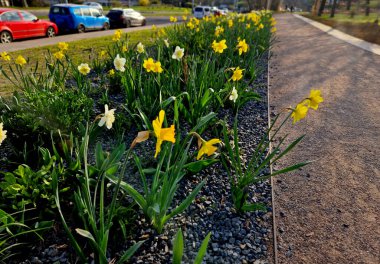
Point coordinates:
[[371, 47]]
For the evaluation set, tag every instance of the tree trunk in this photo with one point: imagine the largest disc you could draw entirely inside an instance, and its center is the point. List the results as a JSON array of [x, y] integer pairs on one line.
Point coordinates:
[[367, 7], [25, 3], [348, 7], [333, 9], [314, 9], [321, 7], [249, 5]]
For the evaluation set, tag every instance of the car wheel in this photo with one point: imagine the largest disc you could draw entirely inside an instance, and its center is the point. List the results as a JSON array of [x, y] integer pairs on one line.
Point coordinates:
[[5, 37], [127, 23], [50, 32], [106, 26], [81, 29], [143, 23]]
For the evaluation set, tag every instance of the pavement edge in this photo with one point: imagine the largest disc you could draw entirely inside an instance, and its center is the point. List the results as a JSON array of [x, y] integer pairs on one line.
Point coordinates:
[[371, 47]]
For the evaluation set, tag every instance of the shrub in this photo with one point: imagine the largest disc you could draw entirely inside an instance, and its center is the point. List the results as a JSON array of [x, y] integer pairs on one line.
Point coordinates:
[[144, 2]]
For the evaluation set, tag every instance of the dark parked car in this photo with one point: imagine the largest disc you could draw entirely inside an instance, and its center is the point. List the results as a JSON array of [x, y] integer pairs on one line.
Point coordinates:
[[127, 17], [80, 18], [17, 24]]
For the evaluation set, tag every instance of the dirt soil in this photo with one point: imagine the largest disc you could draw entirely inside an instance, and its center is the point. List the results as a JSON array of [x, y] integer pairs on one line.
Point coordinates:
[[328, 212], [368, 31]]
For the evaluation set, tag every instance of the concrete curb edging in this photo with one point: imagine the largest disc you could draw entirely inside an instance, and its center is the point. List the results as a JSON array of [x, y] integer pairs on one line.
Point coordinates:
[[371, 47], [274, 223]]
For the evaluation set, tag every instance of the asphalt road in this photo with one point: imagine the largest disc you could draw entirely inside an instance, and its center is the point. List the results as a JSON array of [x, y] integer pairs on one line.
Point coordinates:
[[40, 42]]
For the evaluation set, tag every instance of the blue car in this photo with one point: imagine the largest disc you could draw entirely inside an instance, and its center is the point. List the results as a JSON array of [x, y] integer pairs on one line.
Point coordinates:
[[80, 18]]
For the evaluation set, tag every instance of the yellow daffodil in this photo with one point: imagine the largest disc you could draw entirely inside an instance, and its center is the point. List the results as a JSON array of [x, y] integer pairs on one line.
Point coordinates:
[[273, 30], [234, 95], [102, 54], [157, 67], [261, 26], [190, 25], [84, 69], [119, 63], [20, 60], [237, 75], [273, 21], [3, 133], [230, 23], [166, 41], [184, 18], [117, 35], [220, 46], [178, 53], [162, 134], [218, 30], [161, 32], [140, 48], [63, 46], [197, 30], [173, 19], [242, 46], [111, 72], [59, 55], [314, 99], [299, 112], [4, 56], [207, 147], [154, 27], [107, 118], [149, 64], [124, 48], [248, 26]]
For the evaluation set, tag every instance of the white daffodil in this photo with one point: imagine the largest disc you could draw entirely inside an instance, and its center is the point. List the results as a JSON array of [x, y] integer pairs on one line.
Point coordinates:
[[212, 90], [178, 53], [119, 63], [140, 48], [84, 69], [3, 133], [234, 95], [166, 41], [108, 117]]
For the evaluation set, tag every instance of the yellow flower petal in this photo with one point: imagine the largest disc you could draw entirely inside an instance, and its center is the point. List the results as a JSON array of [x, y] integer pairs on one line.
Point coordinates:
[[299, 112], [315, 99]]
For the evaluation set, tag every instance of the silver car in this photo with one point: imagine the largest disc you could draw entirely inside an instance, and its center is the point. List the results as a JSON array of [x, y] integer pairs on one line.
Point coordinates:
[[125, 17], [95, 5]]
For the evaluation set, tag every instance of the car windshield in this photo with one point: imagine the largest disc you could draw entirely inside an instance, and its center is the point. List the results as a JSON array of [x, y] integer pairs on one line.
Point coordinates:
[[198, 9]]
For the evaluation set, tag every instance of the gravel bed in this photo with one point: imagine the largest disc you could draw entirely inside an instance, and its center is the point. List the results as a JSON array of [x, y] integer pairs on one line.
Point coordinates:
[[235, 238]]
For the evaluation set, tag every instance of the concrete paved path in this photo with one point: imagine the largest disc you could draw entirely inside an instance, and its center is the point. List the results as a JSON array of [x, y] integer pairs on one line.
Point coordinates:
[[328, 212]]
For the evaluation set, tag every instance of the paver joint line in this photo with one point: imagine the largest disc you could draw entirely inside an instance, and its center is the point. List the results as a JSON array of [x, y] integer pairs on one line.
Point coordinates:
[[371, 47]]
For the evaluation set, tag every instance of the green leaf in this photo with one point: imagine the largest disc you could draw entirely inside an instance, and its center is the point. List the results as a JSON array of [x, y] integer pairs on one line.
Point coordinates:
[[186, 203], [290, 147], [199, 165], [249, 207], [85, 234], [202, 250], [178, 247], [129, 253], [291, 168], [203, 121], [139, 199], [99, 155]]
